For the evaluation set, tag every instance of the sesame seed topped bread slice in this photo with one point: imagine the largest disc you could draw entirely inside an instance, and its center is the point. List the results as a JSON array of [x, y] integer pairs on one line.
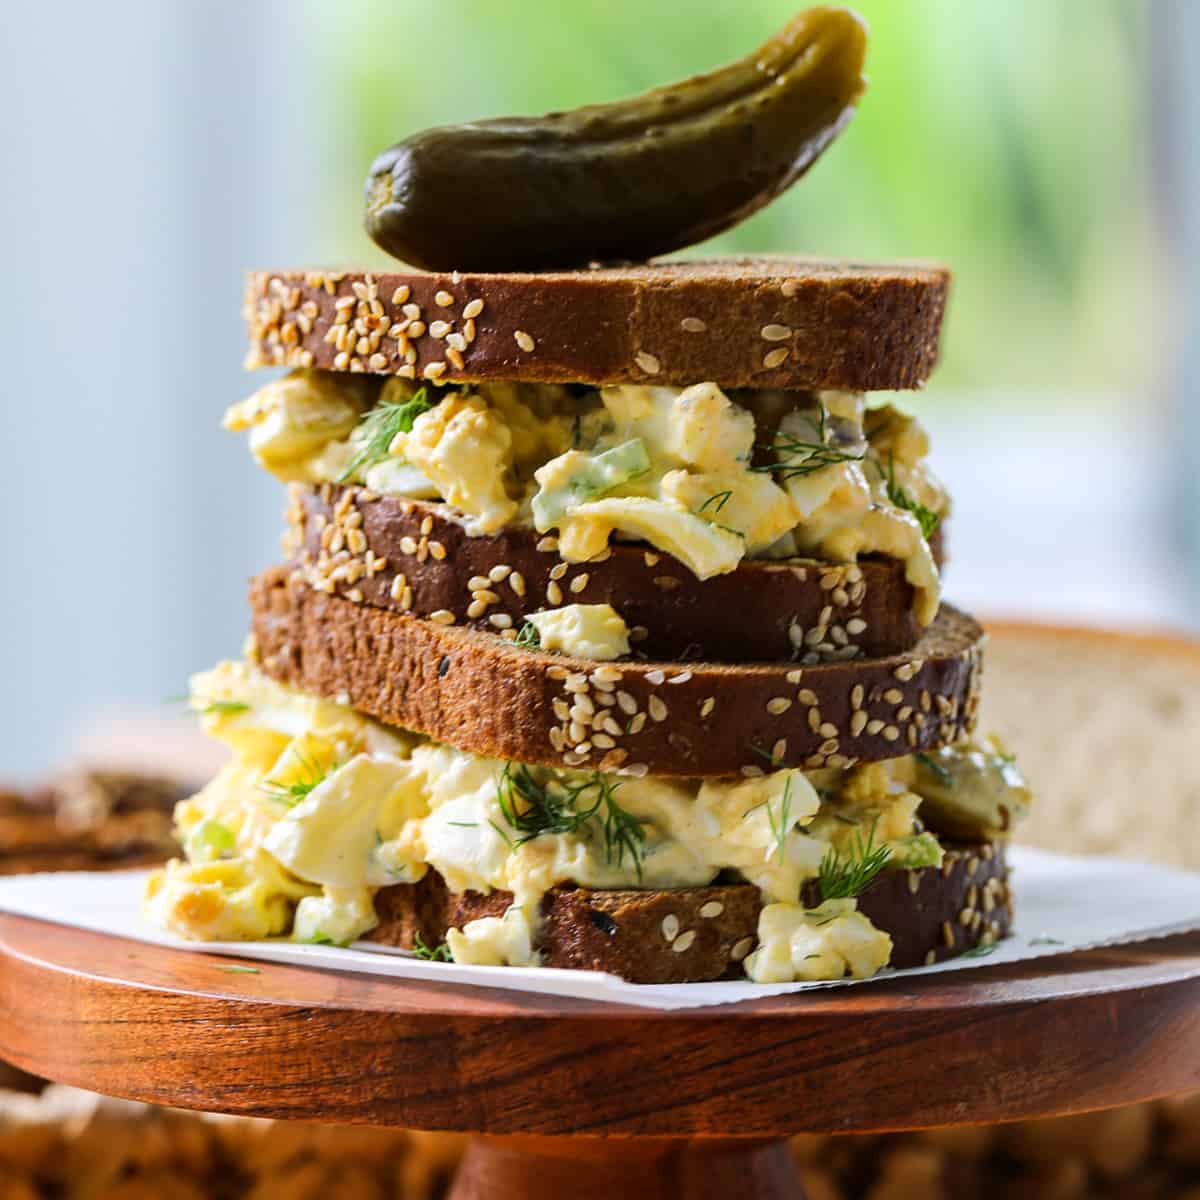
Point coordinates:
[[480, 693], [781, 322], [688, 935], [416, 557]]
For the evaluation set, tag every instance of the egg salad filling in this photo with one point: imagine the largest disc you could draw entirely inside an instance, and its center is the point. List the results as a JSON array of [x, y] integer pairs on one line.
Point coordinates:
[[706, 476], [319, 807]]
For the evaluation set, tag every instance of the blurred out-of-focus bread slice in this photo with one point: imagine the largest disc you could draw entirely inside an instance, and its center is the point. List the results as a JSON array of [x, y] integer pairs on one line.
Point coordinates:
[[1107, 727]]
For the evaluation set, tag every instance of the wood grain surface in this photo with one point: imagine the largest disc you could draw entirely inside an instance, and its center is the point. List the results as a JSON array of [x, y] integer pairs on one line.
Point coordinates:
[[1057, 1035]]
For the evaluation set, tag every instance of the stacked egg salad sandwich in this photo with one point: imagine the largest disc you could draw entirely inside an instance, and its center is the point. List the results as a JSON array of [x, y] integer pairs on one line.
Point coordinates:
[[610, 634]]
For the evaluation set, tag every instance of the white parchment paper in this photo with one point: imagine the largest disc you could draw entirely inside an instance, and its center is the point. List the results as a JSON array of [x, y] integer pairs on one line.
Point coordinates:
[[1062, 904]]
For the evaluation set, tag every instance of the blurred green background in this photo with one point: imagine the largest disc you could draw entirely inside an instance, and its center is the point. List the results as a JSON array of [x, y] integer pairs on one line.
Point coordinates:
[[1007, 139]]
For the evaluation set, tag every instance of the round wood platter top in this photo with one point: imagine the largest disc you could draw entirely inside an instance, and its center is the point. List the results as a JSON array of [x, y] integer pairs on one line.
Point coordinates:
[[1057, 1035]]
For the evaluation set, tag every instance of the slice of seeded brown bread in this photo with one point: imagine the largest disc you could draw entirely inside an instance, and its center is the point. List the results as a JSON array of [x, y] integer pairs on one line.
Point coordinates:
[[688, 935], [416, 557], [481, 694], [741, 322]]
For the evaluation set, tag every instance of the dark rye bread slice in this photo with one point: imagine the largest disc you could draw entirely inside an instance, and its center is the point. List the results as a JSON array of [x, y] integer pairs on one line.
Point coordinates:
[[775, 322], [481, 694], [416, 557], [689, 935]]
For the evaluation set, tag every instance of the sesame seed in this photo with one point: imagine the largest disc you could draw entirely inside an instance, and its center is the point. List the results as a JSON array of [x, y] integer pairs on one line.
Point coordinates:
[[401, 294], [779, 750], [948, 935], [579, 583], [637, 723], [516, 581], [807, 696], [682, 677], [554, 593], [657, 709], [775, 358], [476, 609], [914, 882], [443, 299], [437, 550], [670, 927], [714, 908], [439, 329], [558, 673], [855, 626], [524, 341], [858, 723], [930, 957], [548, 545], [412, 311], [741, 949], [655, 677], [647, 362], [442, 616], [890, 733], [692, 325], [472, 309], [500, 620], [778, 705], [684, 941], [456, 341], [776, 333], [607, 674], [626, 703], [434, 370], [709, 704]]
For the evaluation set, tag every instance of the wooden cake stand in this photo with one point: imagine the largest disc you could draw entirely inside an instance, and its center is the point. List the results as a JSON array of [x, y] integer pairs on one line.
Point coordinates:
[[578, 1099]]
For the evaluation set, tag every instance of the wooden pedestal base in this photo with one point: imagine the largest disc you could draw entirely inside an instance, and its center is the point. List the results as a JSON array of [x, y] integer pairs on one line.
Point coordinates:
[[535, 1168]]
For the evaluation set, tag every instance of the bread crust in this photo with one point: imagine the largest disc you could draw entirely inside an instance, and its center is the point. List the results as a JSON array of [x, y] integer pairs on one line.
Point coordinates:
[[483, 695], [740, 322], [421, 561], [931, 914]]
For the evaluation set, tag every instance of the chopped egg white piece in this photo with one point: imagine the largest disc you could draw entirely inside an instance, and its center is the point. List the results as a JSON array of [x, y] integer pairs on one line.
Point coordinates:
[[494, 941], [594, 631], [828, 942]]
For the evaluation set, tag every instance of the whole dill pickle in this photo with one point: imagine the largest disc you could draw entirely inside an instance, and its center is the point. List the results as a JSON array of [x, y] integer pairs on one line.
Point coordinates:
[[626, 180]]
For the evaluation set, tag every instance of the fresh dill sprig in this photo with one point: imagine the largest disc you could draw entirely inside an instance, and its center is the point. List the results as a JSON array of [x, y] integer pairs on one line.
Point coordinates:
[[437, 953], [220, 707], [926, 517], [810, 456], [720, 499], [528, 638], [378, 430], [780, 827], [982, 950], [292, 793], [935, 768], [532, 808], [224, 708], [846, 878]]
